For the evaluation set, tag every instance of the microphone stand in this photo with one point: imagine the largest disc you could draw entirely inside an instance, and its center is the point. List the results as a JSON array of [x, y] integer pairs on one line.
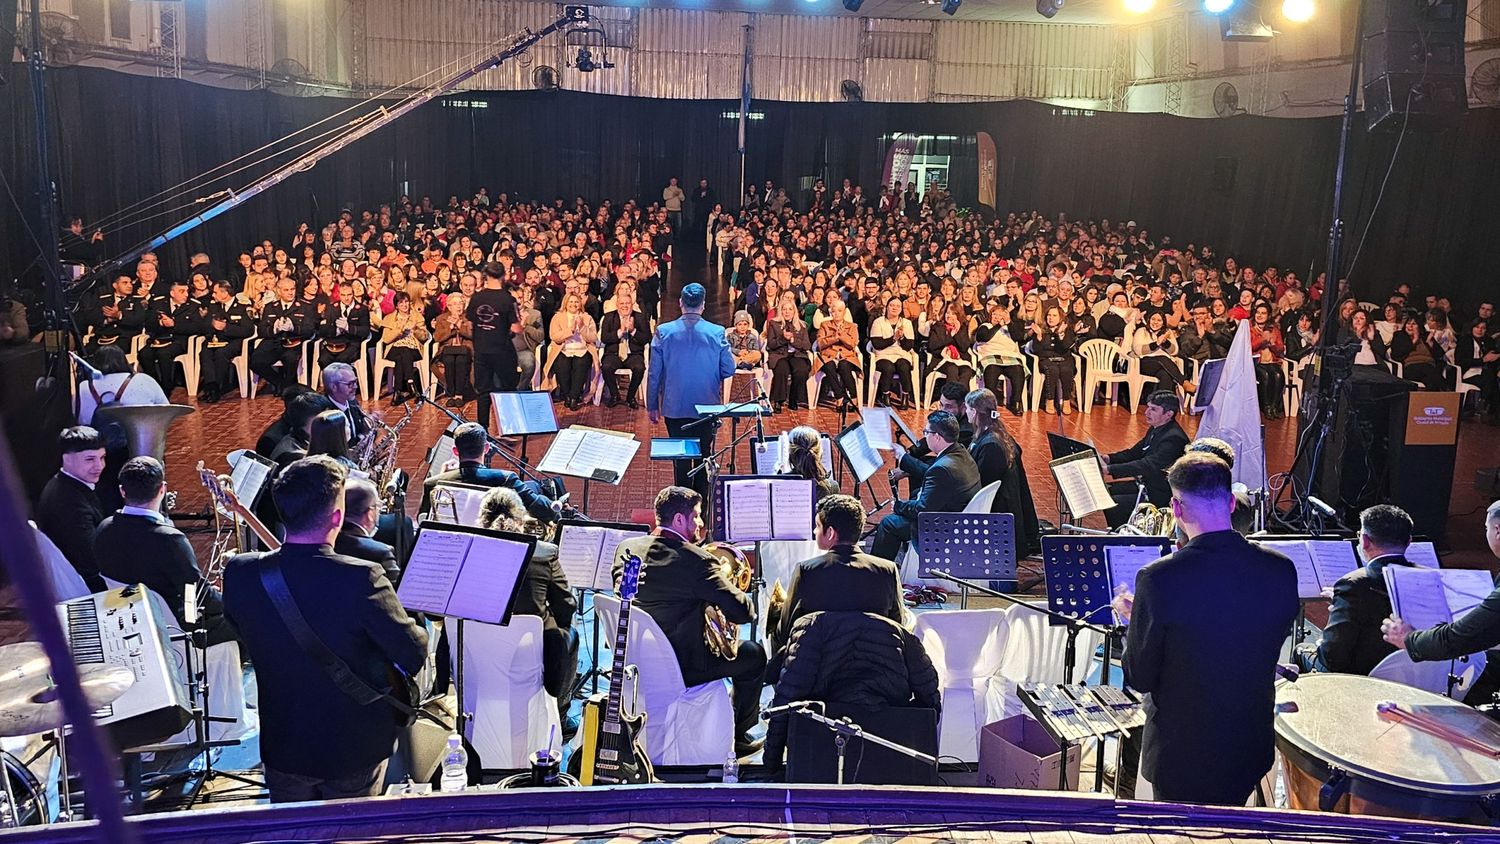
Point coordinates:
[[734, 428], [845, 729]]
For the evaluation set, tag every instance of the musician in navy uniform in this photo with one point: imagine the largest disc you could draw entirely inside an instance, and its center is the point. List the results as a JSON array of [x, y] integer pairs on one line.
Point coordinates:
[[1147, 461], [284, 325], [115, 315], [317, 741], [696, 354], [226, 322], [343, 327], [679, 581], [170, 321], [1206, 626]]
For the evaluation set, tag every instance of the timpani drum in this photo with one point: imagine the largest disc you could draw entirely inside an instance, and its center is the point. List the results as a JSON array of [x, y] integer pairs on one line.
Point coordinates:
[[1342, 755]]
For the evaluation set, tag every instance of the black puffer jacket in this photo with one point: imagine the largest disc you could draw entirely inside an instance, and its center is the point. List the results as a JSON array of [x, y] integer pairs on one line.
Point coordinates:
[[853, 659]]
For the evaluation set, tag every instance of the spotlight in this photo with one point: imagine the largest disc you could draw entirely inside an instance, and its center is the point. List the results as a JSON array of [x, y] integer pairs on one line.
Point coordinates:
[[1217, 7], [1048, 8], [950, 6], [1297, 11], [853, 5], [1139, 6], [585, 61]]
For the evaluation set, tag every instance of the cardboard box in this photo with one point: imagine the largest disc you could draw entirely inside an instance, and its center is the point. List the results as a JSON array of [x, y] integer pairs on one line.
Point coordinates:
[[1017, 753]]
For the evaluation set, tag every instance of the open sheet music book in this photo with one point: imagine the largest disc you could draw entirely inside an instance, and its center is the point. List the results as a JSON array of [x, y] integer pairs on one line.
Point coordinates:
[[464, 572], [862, 456], [249, 478], [525, 412], [1320, 563], [466, 501], [1124, 562], [763, 509], [586, 551], [592, 453], [1423, 554], [1081, 483], [770, 454], [1425, 597]]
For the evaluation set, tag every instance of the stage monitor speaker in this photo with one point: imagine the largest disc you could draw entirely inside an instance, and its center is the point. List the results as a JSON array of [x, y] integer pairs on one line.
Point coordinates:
[[1413, 67], [1353, 471]]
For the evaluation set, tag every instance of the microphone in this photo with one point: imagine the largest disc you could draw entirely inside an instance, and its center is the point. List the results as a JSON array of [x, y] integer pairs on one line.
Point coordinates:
[[790, 707], [1322, 507], [87, 367]]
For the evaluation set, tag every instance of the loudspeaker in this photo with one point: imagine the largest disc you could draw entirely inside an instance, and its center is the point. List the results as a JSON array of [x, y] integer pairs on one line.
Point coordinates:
[[7, 36], [1353, 471], [1413, 69]]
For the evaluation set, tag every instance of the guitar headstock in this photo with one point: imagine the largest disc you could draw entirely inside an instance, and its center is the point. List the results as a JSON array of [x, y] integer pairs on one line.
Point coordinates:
[[630, 576], [222, 495]]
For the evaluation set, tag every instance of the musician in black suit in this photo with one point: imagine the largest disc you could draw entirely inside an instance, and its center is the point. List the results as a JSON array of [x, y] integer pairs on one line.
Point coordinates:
[[343, 327], [1206, 626], [361, 517], [544, 593], [300, 412], [998, 458], [284, 325], [1475, 631], [912, 463], [341, 386], [625, 333], [1148, 460], [317, 741], [1352, 641], [947, 485], [140, 545], [470, 444], [69, 510], [226, 322], [678, 582], [841, 578]]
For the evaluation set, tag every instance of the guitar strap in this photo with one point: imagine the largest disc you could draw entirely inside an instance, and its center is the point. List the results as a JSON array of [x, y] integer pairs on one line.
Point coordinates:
[[337, 670]]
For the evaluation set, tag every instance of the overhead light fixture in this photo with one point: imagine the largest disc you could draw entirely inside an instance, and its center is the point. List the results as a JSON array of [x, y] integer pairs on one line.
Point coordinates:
[[853, 5], [1139, 7], [1297, 11], [950, 6], [1217, 7], [1048, 8]]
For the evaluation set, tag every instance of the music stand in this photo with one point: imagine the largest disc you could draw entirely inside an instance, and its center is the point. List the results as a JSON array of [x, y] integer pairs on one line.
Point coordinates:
[[1077, 575], [593, 454], [676, 448], [863, 460], [799, 526], [523, 413], [579, 540], [980, 546], [768, 453]]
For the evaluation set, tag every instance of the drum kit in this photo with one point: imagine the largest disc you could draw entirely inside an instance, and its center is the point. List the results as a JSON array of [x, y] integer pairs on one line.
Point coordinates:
[[30, 705]]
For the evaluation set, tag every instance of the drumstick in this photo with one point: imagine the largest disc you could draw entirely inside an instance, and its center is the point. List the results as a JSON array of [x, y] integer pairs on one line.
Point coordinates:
[[1394, 711]]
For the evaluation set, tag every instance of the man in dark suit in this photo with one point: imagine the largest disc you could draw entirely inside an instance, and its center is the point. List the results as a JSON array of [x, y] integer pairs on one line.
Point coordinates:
[[679, 581], [1206, 625], [913, 462], [341, 386], [1352, 642], [343, 327], [1475, 631], [317, 741], [469, 445], [842, 578], [69, 510], [625, 333], [361, 518], [1148, 460], [140, 545], [950, 481]]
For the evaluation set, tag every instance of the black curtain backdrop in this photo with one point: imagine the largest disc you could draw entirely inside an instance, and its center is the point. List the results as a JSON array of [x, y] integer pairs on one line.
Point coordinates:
[[120, 138]]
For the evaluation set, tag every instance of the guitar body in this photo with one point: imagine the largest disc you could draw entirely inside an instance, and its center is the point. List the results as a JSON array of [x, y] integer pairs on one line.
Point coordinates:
[[612, 754]]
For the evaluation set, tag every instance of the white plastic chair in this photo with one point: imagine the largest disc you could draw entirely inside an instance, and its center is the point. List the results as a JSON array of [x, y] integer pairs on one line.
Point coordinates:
[[935, 371], [1398, 667], [241, 364], [815, 381], [1038, 379], [1099, 358], [760, 374], [361, 367], [683, 726], [513, 714], [189, 362], [640, 389], [872, 374], [301, 368], [966, 646], [1034, 653], [423, 364]]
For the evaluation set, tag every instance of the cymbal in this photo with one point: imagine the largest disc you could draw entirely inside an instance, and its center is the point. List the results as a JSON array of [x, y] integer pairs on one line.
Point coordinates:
[[29, 703]]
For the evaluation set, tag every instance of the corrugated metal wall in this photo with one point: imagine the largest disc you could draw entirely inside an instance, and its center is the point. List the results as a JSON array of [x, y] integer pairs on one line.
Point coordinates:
[[1005, 60]]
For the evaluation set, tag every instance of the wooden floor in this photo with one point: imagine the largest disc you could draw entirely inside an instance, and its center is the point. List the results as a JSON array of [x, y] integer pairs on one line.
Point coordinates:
[[217, 429]]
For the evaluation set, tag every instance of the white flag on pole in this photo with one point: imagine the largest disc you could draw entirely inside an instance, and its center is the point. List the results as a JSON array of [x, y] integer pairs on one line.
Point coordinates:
[[1233, 414]]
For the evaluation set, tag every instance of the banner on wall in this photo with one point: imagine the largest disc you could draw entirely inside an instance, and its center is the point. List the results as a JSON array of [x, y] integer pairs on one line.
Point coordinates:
[[898, 159], [986, 170]]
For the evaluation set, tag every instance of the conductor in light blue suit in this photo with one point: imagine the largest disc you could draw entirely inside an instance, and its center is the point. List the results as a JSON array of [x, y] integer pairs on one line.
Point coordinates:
[[696, 354]]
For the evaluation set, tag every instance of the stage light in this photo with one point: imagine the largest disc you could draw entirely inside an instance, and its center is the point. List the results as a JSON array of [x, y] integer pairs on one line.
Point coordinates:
[[1139, 6], [950, 6], [1297, 11], [853, 5], [1217, 7], [1048, 8]]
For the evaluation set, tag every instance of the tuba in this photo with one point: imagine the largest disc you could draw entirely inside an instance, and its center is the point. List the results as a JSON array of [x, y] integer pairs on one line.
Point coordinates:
[[723, 638], [1149, 520]]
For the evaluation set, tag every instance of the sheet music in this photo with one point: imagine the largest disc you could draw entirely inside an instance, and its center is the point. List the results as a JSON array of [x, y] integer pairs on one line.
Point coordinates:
[[1425, 597], [578, 550], [1310, 583], [877, 424], [1081, 483], [440, 453], [466, 501], [248, 477], [767, 455], [432, 570], [863, 457], [792, 508], [747, 511], [1126, 561], [1423, 554], [487, 579], [605, 577], [1333, 559], [579, 451], [1465, 589], [524, 413], [559, 455]]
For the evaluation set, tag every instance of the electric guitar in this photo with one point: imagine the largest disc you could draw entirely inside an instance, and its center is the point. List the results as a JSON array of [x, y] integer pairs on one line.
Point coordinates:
[[612, 752]]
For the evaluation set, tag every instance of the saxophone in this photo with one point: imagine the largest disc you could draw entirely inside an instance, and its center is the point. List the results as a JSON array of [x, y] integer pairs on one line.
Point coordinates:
[[376, 454]]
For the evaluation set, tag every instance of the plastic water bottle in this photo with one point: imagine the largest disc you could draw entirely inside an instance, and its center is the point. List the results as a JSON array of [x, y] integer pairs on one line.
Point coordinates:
[[455, 766], [731, 769]]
